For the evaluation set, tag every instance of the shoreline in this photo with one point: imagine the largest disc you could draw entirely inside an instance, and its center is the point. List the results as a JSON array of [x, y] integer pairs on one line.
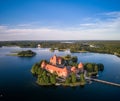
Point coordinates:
[[63, 84], [118, 55]]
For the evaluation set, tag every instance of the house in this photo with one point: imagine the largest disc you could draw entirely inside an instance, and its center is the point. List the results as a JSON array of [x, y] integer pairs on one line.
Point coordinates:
[[39, 46], [92, 46]]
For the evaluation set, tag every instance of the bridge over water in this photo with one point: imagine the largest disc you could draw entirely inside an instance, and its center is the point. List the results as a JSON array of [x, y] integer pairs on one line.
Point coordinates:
[[102, 81]]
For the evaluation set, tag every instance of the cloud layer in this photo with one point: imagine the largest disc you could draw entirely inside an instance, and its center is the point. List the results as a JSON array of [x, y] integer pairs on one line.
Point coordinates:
[[105, 27]]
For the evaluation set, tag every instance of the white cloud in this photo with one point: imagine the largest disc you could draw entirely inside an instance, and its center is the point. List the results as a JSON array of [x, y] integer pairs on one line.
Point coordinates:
[[3, 27], [24, 25], [112, 14], [105, 29]]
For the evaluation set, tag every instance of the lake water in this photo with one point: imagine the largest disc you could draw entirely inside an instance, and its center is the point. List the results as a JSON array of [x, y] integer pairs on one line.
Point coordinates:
[[17, 82]]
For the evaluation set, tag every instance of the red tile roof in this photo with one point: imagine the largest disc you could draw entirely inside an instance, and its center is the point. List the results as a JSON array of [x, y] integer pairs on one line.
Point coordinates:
[[60, 71]]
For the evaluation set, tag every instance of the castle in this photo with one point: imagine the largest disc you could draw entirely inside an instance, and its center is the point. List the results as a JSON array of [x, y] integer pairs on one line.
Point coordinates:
[[64, 71]]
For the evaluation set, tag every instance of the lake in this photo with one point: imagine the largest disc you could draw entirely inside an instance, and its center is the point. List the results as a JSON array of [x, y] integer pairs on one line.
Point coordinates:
[[17, 82]]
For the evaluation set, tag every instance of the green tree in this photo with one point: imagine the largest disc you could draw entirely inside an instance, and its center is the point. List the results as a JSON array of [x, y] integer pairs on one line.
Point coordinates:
[[35, 68], [47, 79], [53, 79], [40, 71], [52, 49], [82, 78], [74, 59], [100, 67], [73, 78], [96, 68], [40, 80], [68, 57], [44, 73], [89, 67], [43, 79], [68, 80]]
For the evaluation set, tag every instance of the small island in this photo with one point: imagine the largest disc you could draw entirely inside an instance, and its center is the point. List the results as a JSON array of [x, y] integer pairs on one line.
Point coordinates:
[[27, 53], [64, 71]]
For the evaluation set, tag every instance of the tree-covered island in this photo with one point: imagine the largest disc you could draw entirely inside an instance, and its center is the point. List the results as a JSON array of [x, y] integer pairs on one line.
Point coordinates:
[[64, 71], [27, 53]]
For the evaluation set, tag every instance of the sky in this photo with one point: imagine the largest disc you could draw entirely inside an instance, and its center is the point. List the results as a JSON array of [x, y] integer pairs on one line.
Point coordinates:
[[59, 20]]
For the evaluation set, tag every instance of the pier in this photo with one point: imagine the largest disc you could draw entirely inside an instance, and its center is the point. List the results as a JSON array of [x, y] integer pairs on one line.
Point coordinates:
[[102, 81]]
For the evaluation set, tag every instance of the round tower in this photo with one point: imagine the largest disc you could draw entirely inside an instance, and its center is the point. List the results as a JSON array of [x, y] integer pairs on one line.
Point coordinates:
[[43, 64], [80, 66]]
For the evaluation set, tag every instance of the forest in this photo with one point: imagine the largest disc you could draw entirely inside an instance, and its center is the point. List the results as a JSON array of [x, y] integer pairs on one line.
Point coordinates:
[[98, 46]]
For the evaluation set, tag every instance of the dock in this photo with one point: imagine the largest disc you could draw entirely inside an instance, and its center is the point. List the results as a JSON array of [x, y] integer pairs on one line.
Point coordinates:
[[102, 81]]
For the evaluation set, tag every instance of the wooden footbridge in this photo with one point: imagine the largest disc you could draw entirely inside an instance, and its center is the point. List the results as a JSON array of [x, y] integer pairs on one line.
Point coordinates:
[[102, 81]]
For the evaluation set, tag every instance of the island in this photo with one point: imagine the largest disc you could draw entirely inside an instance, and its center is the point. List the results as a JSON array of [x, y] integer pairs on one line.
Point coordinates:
[[27, 53], [64, 70]]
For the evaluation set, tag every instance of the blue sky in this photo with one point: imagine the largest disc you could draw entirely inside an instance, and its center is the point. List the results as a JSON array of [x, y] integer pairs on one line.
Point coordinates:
[[59, 20]]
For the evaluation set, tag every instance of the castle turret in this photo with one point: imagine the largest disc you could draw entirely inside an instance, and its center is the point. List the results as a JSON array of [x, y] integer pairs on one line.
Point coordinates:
[[80, 66], [43, 64], [55, 60], [73, 69]]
